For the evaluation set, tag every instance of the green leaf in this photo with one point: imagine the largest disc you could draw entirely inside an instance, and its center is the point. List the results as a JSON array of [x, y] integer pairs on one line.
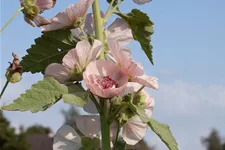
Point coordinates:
[[77, 95], [49, 48], [142, 29], [164, 133], [140, 112], [40, 97], [89, 143]]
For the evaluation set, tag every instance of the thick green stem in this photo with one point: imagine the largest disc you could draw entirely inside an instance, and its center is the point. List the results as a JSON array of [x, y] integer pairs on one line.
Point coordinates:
[[10, 20], [3, 90], [98, 25], [105, 127]]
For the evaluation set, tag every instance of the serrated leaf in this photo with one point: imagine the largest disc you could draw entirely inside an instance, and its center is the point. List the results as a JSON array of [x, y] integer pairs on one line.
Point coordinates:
[[164, 133], [49, 48], [40, 97], [142, 29], [77, 95]]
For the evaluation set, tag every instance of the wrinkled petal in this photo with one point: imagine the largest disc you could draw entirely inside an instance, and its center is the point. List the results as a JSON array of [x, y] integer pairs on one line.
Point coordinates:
[[66, 138], [102, 68], [60, 21], [77, 56], [58, 71], [28, 21], [120, 31], [95, 51], [89, 125], [134, 131], [45, 4], [90, 107], [82, 55], [124, 60], [40, 21], [150, 103], [142, 1], [79, 9], [148, 81]]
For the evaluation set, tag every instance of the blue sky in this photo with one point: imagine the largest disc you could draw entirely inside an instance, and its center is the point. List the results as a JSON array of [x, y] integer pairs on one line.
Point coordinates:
[[189, 54]]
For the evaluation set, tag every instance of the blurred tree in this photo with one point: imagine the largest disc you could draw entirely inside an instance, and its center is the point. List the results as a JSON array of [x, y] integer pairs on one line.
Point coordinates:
[[70, 115], [213, 141], [38, 129], [8, 138]]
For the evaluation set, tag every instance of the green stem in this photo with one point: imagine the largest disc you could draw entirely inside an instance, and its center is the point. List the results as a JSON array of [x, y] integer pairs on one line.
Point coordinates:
[[82, 30], [10, 20], [121, 108], [3, 90], [98, 25], [109, 13], [105, 127], [110, 7], [117, 135]]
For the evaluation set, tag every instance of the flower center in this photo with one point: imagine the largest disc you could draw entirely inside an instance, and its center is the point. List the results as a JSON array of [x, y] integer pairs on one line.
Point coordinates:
[[106, 82]]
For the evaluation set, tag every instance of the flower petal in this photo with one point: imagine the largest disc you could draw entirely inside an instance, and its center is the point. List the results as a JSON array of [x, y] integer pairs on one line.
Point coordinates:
[[148, 81], [120, 31], [134, 131], [142, 1], [90, 107], [60, 21], [28, 21], [89, 125], [95, 51], [58, 71], [66, 138], [150, 103], [45, 4], [40, 21], [79, 9]]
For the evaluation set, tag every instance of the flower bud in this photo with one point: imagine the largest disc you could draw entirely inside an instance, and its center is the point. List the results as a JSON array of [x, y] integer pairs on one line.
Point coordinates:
[[14, 71]]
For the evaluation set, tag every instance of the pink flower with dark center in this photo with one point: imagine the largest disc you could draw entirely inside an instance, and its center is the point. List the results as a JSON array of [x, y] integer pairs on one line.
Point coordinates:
[[106, 82], [33, 8], [128, 66], [104, 78]]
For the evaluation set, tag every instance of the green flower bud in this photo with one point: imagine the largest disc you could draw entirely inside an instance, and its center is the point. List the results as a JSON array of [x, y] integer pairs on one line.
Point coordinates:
[[14, 71], [30, 8], [79, 22], [13, 77]]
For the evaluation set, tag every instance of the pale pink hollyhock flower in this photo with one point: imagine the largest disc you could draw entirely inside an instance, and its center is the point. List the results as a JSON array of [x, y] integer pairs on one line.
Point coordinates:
[[104, 78], [75, 61], [34, 8], [67, 138], [118, 30], [142, 1], [73, 13], [128, 66], [135, 130]]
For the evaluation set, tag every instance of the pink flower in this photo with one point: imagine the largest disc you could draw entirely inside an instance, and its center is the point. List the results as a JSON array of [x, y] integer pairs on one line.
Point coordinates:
[[135, 130], [128, 66], [72, 15], [104, 78], [32, 9], [142, 1], [74, 62]]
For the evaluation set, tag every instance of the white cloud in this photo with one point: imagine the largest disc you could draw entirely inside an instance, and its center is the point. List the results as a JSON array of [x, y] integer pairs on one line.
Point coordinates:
[[191, 110]]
